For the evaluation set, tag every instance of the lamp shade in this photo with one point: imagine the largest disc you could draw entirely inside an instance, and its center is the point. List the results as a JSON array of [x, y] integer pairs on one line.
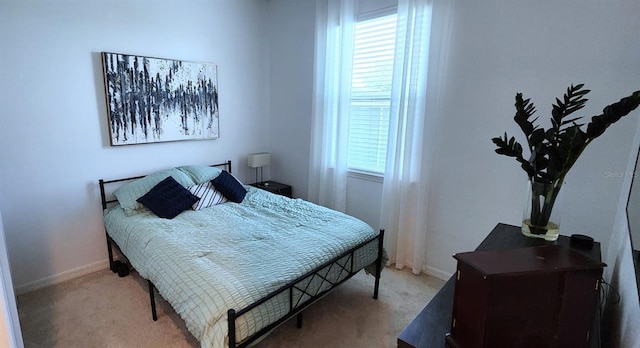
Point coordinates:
[[256, 160]]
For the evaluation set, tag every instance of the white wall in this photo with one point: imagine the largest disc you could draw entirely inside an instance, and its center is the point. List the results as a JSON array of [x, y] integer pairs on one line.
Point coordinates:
[[622, 315], [364, 198], [53, 133], [622, 318], [291, 41], [499, 48]]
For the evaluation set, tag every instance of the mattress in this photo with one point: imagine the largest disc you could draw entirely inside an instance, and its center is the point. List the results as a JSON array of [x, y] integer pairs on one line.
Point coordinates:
[[231, 255]]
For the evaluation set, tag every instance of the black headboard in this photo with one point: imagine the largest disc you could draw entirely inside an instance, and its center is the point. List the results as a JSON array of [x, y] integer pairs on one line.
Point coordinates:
[[103, 195]]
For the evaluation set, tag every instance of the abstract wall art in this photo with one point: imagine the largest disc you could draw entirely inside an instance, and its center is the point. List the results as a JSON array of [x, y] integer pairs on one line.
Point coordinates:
[[153, 100]]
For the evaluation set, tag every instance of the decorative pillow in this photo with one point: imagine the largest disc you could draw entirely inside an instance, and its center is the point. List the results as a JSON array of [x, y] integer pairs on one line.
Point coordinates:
[[128, 193], [229, 186], [201, 173], [168, 199], [208, 195]]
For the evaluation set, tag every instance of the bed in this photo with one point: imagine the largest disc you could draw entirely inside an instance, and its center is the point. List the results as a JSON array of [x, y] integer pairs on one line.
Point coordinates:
[[235, 271]]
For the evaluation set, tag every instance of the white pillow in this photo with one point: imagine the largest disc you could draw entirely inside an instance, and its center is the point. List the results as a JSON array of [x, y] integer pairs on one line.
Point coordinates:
[[128, 193], [201, 173], [208, 195]]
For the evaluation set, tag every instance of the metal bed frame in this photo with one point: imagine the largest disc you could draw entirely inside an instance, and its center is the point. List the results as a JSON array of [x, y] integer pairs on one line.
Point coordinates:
[[342, 262]]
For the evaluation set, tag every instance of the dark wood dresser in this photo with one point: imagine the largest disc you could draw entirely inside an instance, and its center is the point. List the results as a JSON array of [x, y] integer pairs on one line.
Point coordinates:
[[431, 325]]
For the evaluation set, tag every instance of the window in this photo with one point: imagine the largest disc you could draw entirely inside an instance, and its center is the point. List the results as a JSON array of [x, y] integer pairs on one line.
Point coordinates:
[[373, 54]]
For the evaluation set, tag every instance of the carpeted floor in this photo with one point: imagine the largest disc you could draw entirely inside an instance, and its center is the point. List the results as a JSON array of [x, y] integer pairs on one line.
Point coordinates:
[[102, 310]]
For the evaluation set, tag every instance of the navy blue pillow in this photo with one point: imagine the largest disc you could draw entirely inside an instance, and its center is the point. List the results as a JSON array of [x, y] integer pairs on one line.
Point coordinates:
[[168, 199], [229, 187]]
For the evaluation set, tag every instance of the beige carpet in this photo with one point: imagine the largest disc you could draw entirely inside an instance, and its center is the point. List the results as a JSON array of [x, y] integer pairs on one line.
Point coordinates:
[[103, 310]]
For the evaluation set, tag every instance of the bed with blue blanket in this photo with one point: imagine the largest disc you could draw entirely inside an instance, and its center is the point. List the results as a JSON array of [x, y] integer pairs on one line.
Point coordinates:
[[234, 270]]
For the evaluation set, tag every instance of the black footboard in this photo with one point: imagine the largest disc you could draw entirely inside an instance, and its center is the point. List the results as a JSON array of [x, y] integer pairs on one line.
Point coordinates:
[[343, 262]]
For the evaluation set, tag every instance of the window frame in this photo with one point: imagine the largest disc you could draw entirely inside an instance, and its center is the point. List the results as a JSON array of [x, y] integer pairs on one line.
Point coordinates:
[[362, 172]]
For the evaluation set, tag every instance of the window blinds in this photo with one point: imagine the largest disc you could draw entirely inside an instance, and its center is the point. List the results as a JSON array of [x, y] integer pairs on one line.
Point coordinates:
[[374, 46]]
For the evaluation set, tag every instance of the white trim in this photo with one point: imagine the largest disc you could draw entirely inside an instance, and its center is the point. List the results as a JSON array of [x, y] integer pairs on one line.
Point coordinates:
[[10, 332], [356, 174], [434, 272], [430, 271], [61, 277], [383, 8], [381, 12]]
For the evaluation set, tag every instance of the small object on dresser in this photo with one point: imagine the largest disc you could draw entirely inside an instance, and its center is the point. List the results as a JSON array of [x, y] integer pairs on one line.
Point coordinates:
[[275, 187], [581, 241]]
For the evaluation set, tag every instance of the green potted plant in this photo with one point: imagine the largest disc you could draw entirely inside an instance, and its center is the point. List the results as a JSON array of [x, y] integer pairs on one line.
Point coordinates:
[[555, 150]]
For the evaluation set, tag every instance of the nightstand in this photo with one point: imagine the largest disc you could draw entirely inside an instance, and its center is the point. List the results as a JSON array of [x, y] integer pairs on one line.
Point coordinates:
[[274, 187]]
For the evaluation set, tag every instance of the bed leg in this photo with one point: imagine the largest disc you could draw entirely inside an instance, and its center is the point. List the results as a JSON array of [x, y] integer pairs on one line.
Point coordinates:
[[112, 266], [378, 265], [231, 319], [153, 301], [299, 320]]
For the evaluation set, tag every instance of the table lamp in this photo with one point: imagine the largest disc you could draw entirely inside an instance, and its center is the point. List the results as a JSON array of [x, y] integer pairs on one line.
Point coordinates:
[[259, 160]]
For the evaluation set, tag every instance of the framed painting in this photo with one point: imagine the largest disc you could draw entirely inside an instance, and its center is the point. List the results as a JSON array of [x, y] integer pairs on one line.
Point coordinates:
[[152, 100]]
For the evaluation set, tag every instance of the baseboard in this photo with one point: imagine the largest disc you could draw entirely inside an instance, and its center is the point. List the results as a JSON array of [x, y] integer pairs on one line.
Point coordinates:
[[61, 277], [430, 271], [434, 272]]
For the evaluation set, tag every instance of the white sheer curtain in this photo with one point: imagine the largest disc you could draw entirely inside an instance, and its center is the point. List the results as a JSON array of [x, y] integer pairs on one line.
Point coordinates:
[[419, 63], [414, 100], [335, 21]]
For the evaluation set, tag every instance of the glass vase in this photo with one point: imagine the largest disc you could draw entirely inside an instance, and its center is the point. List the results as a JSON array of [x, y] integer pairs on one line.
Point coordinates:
[[540, 219]]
